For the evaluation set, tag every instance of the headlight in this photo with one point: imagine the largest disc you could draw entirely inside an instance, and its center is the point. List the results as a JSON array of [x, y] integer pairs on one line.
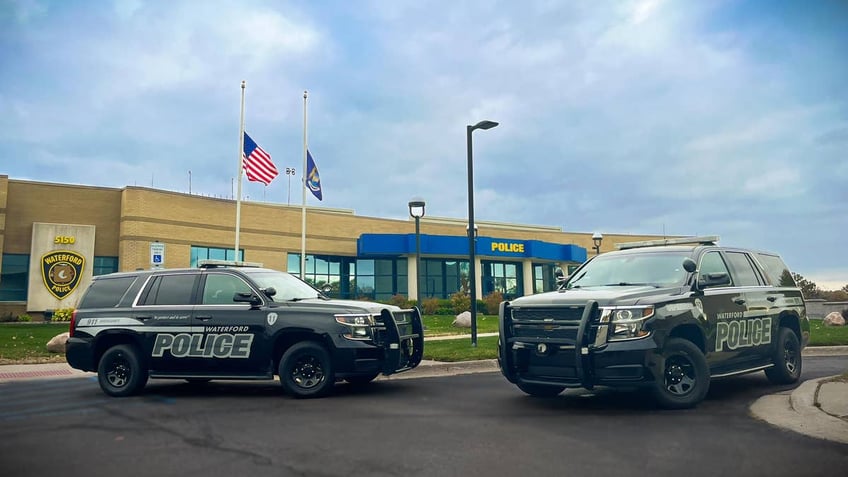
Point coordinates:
[[360, 325], [627, 323]]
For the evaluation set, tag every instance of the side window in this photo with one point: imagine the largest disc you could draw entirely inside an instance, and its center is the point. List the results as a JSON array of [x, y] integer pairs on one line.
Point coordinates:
[[220, 288], [777, 271], [106, 293], [712, 264], [170, 290], [744, 274]]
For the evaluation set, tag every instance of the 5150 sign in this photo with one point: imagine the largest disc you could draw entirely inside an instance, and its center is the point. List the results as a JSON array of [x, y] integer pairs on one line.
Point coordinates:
[[64, 239]]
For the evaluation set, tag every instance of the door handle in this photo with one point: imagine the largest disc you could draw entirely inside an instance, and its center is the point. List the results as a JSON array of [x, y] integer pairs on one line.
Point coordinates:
[[203, 317], [772, 298], [739, 301], [143, 318]]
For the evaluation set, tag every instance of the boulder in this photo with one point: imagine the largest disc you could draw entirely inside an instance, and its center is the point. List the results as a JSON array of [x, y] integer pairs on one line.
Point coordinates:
[[462, 320], [834, 319], [57, 343]]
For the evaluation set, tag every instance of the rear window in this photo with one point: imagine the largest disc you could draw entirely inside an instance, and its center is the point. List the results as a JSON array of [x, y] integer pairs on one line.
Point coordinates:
[[777, 271], [106, 292]]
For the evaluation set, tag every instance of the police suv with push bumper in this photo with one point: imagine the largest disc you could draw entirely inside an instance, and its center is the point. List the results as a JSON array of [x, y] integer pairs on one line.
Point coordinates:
[[669, 314], [235, 320]]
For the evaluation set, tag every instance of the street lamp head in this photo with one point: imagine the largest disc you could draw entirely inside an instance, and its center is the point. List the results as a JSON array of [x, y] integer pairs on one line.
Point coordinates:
[[597, 238], [475, 230], [416, 207], [484, 124]]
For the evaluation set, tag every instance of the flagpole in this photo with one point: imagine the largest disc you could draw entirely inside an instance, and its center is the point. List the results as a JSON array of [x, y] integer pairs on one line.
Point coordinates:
[[240, 168], [303, 203]]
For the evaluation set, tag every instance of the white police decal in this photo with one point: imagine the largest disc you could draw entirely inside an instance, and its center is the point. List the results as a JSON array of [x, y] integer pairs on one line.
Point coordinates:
[[741, 333], [197, 345], [272, 318]]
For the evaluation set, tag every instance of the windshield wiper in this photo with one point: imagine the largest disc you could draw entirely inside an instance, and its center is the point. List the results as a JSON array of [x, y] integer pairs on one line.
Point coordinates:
[[631, 284]]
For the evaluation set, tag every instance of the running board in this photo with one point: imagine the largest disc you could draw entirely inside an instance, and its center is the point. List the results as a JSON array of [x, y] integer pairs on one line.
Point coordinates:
[[744, 371]]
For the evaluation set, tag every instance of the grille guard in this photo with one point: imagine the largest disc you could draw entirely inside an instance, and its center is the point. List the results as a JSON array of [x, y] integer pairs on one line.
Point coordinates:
[[404, 341]]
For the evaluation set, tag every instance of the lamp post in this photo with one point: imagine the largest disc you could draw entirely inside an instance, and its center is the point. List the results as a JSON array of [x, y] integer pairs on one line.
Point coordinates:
[[472, 274], [416, 210], [290, 171], [597, 238]]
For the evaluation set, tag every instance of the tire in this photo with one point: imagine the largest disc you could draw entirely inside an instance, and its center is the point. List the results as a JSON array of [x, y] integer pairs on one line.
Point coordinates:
[[540, 390], [684, 377], [306, 370], [120, 372], [786, 358], [361, 380]]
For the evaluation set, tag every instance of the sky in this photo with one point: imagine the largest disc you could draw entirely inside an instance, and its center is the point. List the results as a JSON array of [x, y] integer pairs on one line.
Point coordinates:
[[722, 117]]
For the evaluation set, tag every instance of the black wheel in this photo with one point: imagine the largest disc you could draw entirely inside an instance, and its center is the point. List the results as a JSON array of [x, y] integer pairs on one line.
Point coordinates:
[[120, 371], [786, 358], [685, 377], [360, 380], [306, 370], [540, 390]]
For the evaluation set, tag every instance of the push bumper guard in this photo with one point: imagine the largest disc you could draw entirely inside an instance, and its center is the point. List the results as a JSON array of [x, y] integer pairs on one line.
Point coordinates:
[[404, 340], [570, 358]]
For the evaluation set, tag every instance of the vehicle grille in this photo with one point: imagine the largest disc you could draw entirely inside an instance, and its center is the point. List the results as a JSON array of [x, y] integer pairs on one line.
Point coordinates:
[[554, 323]]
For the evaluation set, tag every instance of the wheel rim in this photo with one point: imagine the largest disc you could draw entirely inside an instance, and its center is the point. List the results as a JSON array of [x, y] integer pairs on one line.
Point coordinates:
[[790, 356], [307, 372], [119, 371], [679, 375]]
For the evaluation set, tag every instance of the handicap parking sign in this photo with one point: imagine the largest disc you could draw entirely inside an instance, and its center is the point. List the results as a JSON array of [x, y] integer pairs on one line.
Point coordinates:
[[157, 254]]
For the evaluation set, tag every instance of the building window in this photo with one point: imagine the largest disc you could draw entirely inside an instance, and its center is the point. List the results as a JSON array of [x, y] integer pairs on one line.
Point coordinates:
[[503, 277], [321, 270], [14, 276], [379, 279], [442, 278], [105, 265], [213, 253], [543, 277]]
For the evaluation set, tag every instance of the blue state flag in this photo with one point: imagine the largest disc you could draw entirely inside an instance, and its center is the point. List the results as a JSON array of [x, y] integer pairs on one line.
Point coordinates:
[[313, 180]]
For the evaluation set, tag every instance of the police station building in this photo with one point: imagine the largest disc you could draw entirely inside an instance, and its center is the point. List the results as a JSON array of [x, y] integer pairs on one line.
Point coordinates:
[[55, 237]]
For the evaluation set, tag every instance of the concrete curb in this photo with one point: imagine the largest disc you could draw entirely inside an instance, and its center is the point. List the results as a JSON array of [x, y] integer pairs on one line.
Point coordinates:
[[799, 411]]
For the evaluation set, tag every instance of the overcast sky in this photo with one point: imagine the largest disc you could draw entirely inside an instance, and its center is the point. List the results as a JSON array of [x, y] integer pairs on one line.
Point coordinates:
[[685, 117]]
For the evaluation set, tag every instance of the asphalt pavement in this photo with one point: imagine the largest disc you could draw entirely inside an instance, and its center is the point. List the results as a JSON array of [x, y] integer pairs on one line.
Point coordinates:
[[817, 408]]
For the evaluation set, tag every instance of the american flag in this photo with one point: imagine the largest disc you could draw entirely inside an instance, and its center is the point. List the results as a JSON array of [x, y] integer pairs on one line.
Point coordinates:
[[257, 163]]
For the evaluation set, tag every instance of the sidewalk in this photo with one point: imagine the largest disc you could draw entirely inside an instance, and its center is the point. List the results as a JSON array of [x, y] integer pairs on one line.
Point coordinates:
[[817, 408]]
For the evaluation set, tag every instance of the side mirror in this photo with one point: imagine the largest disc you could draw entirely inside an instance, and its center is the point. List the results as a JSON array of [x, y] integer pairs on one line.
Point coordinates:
[[689, 265], [714, 280], [327, 288], [269, 292], [247, 297]]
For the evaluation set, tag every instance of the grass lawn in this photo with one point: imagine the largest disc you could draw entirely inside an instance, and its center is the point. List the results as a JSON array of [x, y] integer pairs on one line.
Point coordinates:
[[440, 325], [821, 335], [461, 350], [27, 342]]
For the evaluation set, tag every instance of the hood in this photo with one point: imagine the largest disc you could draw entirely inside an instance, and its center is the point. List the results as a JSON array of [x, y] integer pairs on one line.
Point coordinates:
[[346, 306], [604, 295]]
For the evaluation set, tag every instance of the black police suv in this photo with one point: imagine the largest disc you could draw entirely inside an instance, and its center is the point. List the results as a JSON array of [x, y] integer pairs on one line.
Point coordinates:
[[669, 315], [220, 321]]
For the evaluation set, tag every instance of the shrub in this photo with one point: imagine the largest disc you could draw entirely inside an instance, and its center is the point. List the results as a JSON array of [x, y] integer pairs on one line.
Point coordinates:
[[8, 318], [24, 317], [845, 314], [63, 314], [401, 301], [492, 303], [430, 306], [460, 302]]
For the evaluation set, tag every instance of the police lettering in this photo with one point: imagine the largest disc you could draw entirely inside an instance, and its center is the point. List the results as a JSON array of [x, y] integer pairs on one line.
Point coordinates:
[[507, 247], [198, 345], [743, 333]]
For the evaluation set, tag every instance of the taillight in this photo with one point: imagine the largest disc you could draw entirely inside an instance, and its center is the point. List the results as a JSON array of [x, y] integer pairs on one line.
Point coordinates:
[[73, 323]]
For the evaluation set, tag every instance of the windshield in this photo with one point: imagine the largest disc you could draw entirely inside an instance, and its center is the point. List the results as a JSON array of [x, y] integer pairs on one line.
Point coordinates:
[[655, 269], [288, 287]]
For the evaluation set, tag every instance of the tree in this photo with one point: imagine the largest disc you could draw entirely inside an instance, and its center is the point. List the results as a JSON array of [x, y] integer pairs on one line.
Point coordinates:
[[808, 288]]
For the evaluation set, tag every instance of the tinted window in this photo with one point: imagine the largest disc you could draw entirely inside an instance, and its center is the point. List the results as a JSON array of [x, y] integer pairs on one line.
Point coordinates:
[[220, 288], [743, 271], [777, 271], [106, 293], [711, 263], [170, 290]]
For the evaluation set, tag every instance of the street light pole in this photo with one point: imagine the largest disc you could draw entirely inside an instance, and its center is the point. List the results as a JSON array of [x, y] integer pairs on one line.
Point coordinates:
[[416, 210], [472, 273]]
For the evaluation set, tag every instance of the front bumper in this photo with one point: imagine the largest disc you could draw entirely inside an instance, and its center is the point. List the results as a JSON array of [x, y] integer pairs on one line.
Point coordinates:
[[571, 354]]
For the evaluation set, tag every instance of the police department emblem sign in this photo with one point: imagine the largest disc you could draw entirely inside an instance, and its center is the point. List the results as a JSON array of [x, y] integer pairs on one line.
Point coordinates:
[[61, 271]]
